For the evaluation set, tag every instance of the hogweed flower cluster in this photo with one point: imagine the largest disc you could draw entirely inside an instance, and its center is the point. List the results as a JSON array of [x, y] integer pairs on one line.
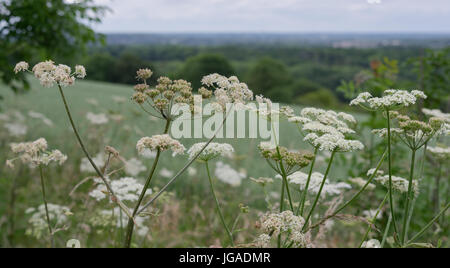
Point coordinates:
[[126, 189], [300, 178], [35, 153], [327, 130], [160, 142], [413, 133], [50, 74], [392, 99], [399, 184], [226, 90], [213, 150], [165, 94], [440, 153], [113, 218], [229, 175], [38, 223], [274, 224], [280, 154]]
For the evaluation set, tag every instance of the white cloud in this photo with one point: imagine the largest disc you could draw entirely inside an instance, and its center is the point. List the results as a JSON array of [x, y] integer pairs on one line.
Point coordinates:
[[279, 15]]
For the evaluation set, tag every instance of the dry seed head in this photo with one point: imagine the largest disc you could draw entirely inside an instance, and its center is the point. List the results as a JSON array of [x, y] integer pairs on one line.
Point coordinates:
[[139, 97], [144, 74], [141, 87]]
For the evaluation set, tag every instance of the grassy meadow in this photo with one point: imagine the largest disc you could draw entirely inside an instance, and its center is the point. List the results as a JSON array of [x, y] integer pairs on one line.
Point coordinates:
[[185, 216]]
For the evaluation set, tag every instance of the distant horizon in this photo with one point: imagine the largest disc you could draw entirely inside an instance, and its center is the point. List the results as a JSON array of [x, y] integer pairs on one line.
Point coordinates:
[[286, 32]]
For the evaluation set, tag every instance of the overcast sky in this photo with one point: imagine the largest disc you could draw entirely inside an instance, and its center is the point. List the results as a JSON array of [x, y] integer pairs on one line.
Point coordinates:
[[148, 16]]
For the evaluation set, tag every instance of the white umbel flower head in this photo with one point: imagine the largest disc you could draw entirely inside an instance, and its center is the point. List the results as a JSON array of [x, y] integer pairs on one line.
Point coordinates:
[[35, 153], [391, 99], [126, 189], [97, 119], [300, 178], [38, 221], [441, 153], [228, 175], [80, 71], [49, 73], [372, 243], [162, 142], [399, 184], [211, 151], [228, 89], [21, 66], [327, 130], [134, 167]]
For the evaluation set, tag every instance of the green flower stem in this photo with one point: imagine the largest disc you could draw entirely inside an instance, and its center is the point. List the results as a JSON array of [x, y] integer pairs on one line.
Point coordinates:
[[301, 207], [281, 209], [286, 183], [230, 235], [386, 231], [408, 197], [320, 191], [372, 221], [130, 226], [97, 170], [355, 196], [422, 168], [428, 225], [47, 215], [391, 199]]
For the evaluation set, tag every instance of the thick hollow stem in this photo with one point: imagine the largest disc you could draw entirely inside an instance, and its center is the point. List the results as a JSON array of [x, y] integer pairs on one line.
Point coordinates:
[[391, 199], [219, 211], [283, 182], [408, 196], [301, 207], [386, 231], [47, 215], [422, 168], [130, 226], [320, 191]]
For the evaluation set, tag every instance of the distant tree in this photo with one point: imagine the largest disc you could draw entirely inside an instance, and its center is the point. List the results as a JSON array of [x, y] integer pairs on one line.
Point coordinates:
[[303, 86], [433, 73], [100, 66], [322, 98], [35, 30], [124, 69], [270, 78], [203, 64]]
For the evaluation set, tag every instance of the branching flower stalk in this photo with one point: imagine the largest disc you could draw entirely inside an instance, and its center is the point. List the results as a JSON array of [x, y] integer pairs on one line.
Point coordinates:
[[131, 223], [50, 74], [380, 162], [414, 134], [408, 197], [391, 199], [44, 198], [301, 206], [391, 101], [316, 200], [88, 156], [182, 170], [219, 210]]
